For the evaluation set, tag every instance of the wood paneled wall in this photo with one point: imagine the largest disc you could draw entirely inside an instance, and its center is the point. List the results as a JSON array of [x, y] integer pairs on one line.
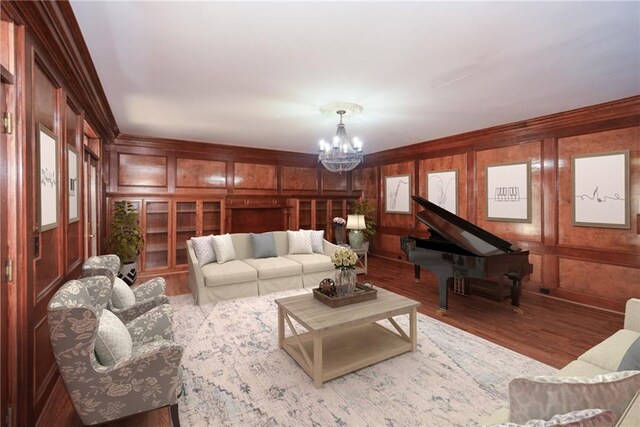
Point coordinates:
[[596, 266], [55, 87]]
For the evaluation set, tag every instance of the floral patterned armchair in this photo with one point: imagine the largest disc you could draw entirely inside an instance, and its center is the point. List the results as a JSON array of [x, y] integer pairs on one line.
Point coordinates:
[[142, 298], [150, 378]]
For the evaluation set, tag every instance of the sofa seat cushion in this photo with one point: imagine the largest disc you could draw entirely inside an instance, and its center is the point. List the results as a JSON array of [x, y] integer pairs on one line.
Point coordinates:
[[578, 368], [312, 263], [228, 273], [609, 353], [270, 268]]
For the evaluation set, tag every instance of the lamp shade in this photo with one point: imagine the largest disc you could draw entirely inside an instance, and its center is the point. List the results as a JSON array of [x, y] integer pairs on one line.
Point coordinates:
[[356, 222]]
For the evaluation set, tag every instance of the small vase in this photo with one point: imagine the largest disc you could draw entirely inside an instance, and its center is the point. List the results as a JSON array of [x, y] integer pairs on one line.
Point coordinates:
[[128, 272], [345, 280], [339, 233]]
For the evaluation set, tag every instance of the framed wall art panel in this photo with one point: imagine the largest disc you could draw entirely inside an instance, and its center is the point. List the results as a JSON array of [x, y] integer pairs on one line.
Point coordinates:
[[508, 192], [442, 189], [600, 185], [74, 184], [397, 194], [48, 177]]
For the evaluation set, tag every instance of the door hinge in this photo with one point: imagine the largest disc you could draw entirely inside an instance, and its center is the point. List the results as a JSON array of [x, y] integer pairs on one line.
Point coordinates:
[[7, 122], [8, 271], [8, 416]]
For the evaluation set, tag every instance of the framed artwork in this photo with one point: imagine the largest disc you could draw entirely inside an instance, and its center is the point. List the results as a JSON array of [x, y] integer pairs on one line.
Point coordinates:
[[48, 176], [442, 189], [397, 194], [74, 183], [508, 192], [601, 190]]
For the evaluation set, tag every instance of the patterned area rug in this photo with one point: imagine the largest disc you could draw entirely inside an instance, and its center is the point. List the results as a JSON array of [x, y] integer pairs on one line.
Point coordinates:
[[235, 374]]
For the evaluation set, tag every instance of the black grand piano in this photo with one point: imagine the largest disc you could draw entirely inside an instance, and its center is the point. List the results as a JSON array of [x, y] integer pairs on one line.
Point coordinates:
[[457, 248]]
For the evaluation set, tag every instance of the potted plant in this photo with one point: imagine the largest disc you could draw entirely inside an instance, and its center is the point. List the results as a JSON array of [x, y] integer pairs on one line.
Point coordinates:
[[125, 239], [364, 208]]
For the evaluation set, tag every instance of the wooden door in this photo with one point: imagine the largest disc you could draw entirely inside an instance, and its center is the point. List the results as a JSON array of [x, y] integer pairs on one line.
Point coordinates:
[[92, 183]]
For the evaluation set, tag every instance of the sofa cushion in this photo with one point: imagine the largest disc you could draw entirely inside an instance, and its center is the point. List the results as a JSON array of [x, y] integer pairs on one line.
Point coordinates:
[[223, 246], [312, 263], [122, 295], [203, 248], [299, 242], [609, 353], [228, 273], [544, 397], [269, 268], [317, 236], [578, 368], [113, 341], [264, 245], [631, 359]]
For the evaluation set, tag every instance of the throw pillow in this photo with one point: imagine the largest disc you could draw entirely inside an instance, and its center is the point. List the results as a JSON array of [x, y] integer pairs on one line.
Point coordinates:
[[223, 246], [264, 245], [584, 418], [317, 236], [631, 359], [299, 242], [122, 295], [543, 397], [113, 342], [203, 248]]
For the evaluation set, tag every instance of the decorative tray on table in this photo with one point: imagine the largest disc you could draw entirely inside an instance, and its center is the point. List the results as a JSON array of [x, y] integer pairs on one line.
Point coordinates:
[[362, 293]]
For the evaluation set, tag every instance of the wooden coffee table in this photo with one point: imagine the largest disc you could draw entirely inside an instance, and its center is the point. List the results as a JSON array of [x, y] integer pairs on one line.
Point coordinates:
[[344, 339]]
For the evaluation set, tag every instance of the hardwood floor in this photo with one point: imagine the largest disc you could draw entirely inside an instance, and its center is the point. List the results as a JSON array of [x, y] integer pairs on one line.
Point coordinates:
[[552, 331]]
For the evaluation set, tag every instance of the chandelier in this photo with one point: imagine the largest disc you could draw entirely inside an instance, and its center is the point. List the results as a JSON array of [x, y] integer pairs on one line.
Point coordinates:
[[341, 155]]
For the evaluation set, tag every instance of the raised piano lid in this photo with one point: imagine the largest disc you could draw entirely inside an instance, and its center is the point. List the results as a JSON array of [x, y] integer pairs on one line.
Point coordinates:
[[460, 231]]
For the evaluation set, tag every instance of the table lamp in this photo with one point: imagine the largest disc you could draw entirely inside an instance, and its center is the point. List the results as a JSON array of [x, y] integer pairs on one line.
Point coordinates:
[[356, 224]]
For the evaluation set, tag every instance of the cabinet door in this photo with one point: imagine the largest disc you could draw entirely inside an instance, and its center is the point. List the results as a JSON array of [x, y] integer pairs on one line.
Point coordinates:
[[186, 227], [304, 214], [157, 232], [211, 218], [322, 216]]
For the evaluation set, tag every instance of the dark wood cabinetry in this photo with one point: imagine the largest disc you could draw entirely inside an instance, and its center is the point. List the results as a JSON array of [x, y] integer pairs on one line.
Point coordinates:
[[317, 214]]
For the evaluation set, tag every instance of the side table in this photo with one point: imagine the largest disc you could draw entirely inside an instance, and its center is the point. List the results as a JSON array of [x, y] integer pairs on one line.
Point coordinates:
[[361, 266]]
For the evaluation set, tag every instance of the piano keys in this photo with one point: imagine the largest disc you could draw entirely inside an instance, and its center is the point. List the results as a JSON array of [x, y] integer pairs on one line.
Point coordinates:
[[458, 248]]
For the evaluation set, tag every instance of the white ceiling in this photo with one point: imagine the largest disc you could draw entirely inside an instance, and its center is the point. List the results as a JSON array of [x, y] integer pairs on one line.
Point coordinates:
[[256, 73]]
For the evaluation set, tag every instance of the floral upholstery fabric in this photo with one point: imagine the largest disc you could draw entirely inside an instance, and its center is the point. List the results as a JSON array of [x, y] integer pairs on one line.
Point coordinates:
[[584, 418], [122, 296], [148, 295], [149, 379]]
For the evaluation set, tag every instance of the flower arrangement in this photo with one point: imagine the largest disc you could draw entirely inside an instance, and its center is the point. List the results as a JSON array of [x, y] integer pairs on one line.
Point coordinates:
[[339, 220], [344, 258]]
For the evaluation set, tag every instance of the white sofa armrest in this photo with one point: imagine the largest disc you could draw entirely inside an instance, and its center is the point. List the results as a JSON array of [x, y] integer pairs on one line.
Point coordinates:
[[632, 315], [328, 247], [196, 278]]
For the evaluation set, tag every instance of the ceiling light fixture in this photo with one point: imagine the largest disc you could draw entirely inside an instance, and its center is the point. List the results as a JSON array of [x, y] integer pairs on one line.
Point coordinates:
[[341, 155]]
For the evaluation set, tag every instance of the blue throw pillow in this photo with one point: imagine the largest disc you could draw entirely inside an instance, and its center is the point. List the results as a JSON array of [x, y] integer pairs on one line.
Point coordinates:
[[264, 245], [631, 359]]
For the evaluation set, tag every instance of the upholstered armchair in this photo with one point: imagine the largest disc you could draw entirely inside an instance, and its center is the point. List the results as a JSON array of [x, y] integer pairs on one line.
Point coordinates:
[[145, 371], [126, 303]]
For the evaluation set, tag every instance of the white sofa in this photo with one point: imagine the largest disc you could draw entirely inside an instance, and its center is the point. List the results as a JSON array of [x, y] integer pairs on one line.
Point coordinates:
[[247, 276], [604, 358]]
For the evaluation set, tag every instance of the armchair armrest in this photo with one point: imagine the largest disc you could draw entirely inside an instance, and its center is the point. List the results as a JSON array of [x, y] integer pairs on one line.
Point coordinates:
[[149, 289], [632, 315], [328, 247], [154, 325], [129, 314], [98, 271], [195, 272]]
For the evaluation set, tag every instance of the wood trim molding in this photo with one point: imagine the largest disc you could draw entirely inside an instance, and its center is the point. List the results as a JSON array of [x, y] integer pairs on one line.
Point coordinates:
[[610, 115], [53, 25]]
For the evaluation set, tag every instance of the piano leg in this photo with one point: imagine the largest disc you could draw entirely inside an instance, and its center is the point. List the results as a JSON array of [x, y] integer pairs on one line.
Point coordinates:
[[416, 272], [516, 291], [443, 292]]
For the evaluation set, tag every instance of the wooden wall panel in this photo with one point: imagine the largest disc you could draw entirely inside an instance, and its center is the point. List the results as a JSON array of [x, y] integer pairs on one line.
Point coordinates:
[[366, 180], [257, 220], [195, 173], [73, 236], [456, 162], [147, 171], [516, 153], [601, 280], [334, 182], [255, 176], [606, 238], [299, 178]]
